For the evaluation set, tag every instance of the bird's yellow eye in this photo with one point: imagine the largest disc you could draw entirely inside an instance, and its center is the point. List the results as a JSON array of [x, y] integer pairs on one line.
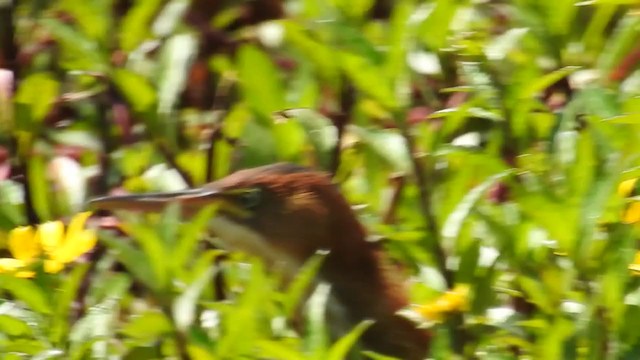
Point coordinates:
[[250, 199]]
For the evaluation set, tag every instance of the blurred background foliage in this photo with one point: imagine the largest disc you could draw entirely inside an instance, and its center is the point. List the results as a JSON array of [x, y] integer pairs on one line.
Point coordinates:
[[487, 143]]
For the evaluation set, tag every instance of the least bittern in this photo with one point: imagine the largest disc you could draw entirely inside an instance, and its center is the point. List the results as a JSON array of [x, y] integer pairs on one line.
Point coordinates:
[[285, 214]]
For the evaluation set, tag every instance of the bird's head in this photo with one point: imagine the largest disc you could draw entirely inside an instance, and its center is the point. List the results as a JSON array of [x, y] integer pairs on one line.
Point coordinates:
[[282, 213]]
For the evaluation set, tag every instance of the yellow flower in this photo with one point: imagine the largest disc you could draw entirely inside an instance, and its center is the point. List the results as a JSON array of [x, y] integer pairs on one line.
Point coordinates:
[[452, 301], [631, 214], [626, 187], [50, 242]]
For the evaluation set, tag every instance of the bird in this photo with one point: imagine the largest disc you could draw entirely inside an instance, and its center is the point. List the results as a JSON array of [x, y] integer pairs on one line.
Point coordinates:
[[284, 214]]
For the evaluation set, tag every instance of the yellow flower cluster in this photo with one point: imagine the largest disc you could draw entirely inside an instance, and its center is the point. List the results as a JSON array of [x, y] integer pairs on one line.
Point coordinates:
[[49, 243], [455, 300]]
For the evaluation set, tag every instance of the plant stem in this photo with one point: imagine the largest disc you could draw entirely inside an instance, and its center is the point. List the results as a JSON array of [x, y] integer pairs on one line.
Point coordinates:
[[422, 177]]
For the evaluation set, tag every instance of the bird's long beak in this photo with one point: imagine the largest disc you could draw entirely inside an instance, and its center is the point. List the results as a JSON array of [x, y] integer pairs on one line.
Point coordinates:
[[191, 200]]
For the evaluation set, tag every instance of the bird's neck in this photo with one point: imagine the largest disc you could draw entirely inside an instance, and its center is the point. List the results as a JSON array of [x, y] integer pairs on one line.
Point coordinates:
[[364, 287]]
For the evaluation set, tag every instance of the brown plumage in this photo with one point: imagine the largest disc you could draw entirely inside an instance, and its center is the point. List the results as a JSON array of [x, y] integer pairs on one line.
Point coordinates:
[[288, 213]]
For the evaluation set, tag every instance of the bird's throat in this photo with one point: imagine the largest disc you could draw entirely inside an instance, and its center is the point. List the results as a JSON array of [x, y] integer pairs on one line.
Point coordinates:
[[235, 236]]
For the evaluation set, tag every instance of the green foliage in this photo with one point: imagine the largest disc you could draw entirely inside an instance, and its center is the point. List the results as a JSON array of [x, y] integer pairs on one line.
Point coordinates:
[[498, 131]]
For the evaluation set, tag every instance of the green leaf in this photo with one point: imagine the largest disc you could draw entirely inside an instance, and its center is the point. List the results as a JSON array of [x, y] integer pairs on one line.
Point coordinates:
[[64, 302], [468, 262], [260, 81], [144, 352], [435, 27], [191, 233], [95, 328], [133, 259], [389, 145], [356, 42], [184, 307], [316, 52], [320, 132], [79, 138], [149, 326], [233, 126], [22, 346], [401, 31], [134, 27], [93, 18], [290, 139], [455, 220], [620, 43], [39, 187], [28, 292], [278, 350], [317, 339], [500, 46], [154, 251], [170, 17], [98, 325], [136, 89], [135, 158], [48, 354], [341, 348], [176, 58], [77, 51], [561, 231], [241, 325], [537, 294], [545, 81], [354, 8], [369, 79], [12, 326], [298, 287], [259, 144], [169, 226], [38, 91]]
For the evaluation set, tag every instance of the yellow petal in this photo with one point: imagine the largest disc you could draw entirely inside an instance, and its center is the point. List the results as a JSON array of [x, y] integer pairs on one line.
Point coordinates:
[[23, 244], [76, 225], [8, 265], [25, 274], [52, 266], [429, 313], [626, 187], [86, 241], [632, 214], [74, 246], [50, 235], [457, 297]]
